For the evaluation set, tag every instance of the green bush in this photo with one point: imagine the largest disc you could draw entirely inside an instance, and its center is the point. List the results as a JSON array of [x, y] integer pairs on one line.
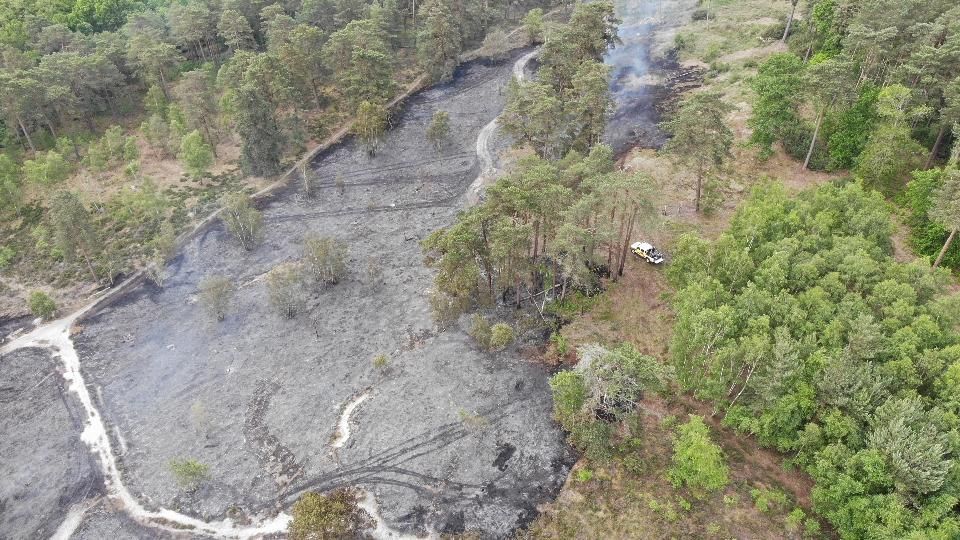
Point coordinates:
[[697, 461], [501, 335], [796, 142], [480, 331], [852, 129], [334, 515], [285, 289], [215, 295], [188, 473], [41, 305], [50, 168], [7, 254], [324, 259], [927, 236], [766, 499]]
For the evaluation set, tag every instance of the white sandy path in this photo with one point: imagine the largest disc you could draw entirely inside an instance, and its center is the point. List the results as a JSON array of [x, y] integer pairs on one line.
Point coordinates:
[[487, 170], [56, 336]]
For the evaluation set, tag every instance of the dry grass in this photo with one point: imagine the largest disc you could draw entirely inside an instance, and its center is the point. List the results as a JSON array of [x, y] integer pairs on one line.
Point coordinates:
[[617, 503], [637, 500]]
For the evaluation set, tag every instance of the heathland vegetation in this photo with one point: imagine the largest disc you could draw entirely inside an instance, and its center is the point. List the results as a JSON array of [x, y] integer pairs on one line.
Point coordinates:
[[123, 122]]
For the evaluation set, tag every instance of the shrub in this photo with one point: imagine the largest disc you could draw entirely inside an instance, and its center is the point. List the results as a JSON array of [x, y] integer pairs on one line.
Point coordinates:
[[439, 128], [584, 475], [501, 335], [446, 308], [285, 289], [570, 394], [561, 346], [188, 473], [926, 235], [242, 220], [49, 168], [324, 259], [41, 305], [533, 25], [336, 515], [381, 361], [697, 461], [765, 499], [480, 331], [795, 519], [473, 420], [215, 295], [495, 44], [6, 256]]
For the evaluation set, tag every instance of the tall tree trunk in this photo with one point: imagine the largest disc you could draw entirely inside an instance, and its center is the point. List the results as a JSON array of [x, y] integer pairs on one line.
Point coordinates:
[[76, 147], [543, 245], [163, 85], [49, 125], [946, 246], [626, 242], [813, 141], [516, 285], [213, 142], [93, 274], [786, 31], [936, 146], [26, 134], [696, 201], [613, 214], [316, 93], [536, 238]]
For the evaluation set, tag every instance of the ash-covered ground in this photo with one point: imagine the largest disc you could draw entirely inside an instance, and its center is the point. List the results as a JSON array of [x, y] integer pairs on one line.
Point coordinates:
[[449, 438], [45, 468], [645, 75]]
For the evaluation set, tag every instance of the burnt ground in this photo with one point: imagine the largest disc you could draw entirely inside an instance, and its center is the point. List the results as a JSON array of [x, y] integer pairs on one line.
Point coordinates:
[[646, 77], [450, 439], [45, 468]]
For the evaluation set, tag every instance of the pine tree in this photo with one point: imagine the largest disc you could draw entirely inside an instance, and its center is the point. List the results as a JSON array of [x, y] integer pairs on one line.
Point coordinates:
[[257, 126], [701, 139]]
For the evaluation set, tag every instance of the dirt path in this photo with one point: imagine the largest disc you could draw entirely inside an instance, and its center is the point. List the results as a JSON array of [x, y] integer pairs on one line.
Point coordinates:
[[488, 170], [56, 337]]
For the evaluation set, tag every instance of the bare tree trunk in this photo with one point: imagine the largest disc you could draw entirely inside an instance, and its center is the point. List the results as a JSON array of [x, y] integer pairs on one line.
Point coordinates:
[[936, 146], [76, 147], [49, 125], [696, 201], [516, 285], [946, 246], [813, 141], [26, 134], [90, 266], [163, 85], [626, 242], [613, 214], [536, 238], [786, 31]]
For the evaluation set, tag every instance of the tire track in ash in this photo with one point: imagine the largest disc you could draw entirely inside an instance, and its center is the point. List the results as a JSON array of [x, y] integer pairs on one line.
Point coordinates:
[[405, 165], [374, 469], [445, 96], [279, 460]]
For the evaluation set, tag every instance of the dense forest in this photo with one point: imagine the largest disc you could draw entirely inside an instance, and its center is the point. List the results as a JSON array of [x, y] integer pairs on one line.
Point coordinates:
[[125, 120], [797, 323], [874, 88]]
